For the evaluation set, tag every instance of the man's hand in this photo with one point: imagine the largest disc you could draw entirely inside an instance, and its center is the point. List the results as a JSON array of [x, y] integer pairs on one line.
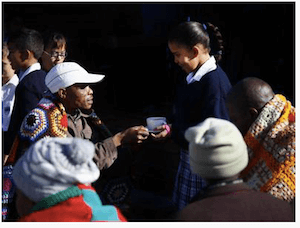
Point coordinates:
[[133, 135]]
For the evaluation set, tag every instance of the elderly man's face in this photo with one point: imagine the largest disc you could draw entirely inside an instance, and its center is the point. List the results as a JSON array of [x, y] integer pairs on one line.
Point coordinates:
[[79, 96], [242, 119]]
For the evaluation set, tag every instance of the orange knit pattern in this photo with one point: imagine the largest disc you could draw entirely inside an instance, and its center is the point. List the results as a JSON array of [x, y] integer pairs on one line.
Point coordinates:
[[271, 148], [48, 119]]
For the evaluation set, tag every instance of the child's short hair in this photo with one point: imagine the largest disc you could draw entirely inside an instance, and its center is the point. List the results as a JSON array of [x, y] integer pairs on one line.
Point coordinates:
[[28, 39], [53, 39]]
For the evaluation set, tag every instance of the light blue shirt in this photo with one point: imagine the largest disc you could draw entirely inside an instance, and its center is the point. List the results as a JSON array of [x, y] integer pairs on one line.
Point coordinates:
[[8, 99]]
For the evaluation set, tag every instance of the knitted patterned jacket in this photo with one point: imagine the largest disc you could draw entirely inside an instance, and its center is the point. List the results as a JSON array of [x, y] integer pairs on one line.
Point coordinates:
[[271, 149], [48, 119], [76, 204]]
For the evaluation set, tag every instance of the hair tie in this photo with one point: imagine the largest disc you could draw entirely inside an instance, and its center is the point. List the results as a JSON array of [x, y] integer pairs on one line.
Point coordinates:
[[204, 26]]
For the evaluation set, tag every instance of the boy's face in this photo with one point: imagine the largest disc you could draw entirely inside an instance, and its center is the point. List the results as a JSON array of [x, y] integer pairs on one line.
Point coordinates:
[[49, 61], [15, 56]]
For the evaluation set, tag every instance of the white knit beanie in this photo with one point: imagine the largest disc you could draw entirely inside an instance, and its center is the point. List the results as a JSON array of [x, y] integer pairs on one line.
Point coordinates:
[[217, 149], [52, 165]]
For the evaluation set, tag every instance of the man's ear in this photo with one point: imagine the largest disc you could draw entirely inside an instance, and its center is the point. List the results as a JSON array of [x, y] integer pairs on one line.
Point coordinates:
[[253, 113], [62, 93]]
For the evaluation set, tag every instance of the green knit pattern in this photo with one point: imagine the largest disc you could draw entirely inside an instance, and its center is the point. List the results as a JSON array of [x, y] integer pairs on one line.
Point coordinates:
[[57, 198]]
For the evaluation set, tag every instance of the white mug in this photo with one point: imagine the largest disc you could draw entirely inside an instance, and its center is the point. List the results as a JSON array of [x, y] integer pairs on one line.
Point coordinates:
[[154, 122]]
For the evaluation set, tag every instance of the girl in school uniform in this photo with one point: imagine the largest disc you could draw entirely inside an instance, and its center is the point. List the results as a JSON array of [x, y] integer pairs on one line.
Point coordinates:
[[201, 96]]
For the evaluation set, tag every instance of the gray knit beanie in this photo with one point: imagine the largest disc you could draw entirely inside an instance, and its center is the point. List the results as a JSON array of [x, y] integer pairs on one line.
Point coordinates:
[[52, 165], [217, 149]]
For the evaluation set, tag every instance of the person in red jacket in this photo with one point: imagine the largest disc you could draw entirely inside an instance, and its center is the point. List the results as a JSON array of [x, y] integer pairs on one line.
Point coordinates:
[[53, 180]]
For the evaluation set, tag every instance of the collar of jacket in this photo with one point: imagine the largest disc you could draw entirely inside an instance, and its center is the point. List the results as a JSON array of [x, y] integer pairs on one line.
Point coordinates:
[[223, 190], [57, 198]]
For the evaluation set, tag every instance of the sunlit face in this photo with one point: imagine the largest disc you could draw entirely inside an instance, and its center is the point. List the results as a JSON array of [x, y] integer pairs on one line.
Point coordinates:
[[7, 71], [79, 96], [184, 57], [52, 57]]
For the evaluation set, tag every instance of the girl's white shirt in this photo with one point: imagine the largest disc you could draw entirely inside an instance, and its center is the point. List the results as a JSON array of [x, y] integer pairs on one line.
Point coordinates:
[[207, 67], [8, 99]]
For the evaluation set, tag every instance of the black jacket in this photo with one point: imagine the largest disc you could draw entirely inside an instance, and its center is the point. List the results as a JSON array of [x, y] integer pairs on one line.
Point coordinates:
[[27, 95]]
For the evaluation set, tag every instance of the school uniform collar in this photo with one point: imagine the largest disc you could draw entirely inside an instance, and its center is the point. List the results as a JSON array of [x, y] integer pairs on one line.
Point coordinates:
[[13, 81], [207, 67], [33, 67]]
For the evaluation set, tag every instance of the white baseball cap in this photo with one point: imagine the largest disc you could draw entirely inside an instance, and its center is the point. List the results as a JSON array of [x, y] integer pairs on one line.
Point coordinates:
[[69, 73]]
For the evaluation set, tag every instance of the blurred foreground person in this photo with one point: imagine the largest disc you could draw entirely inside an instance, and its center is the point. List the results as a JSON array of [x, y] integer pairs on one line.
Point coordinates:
[[267, 122], [218, 153], [53, 180]]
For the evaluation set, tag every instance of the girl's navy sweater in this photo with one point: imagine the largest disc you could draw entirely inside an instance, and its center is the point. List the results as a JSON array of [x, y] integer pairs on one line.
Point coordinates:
[[199, 100]]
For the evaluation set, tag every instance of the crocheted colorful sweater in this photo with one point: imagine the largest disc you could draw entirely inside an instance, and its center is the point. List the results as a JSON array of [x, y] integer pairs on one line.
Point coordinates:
[[48, 119], [271, 149], [76, 204]]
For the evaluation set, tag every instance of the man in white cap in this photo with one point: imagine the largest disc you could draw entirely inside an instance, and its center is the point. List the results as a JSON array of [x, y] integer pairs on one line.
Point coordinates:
[[60, 115], [53, 180], [218, 153]]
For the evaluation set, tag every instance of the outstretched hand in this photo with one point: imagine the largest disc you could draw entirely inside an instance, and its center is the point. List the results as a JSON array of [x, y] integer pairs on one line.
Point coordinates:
[[134, 135], [163, 134]]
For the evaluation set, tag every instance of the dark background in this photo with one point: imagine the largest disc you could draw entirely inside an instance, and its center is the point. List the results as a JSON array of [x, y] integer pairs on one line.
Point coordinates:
[[128, 42]]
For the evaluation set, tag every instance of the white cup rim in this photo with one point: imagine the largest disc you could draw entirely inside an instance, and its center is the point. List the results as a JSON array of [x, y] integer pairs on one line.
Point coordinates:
[[157, 117]]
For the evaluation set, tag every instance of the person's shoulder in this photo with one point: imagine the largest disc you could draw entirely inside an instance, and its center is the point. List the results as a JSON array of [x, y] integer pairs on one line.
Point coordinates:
[[14, 81], [192, 212], [217, 78], [272, 200], [39, 74], [35, 79], [217, 74]]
